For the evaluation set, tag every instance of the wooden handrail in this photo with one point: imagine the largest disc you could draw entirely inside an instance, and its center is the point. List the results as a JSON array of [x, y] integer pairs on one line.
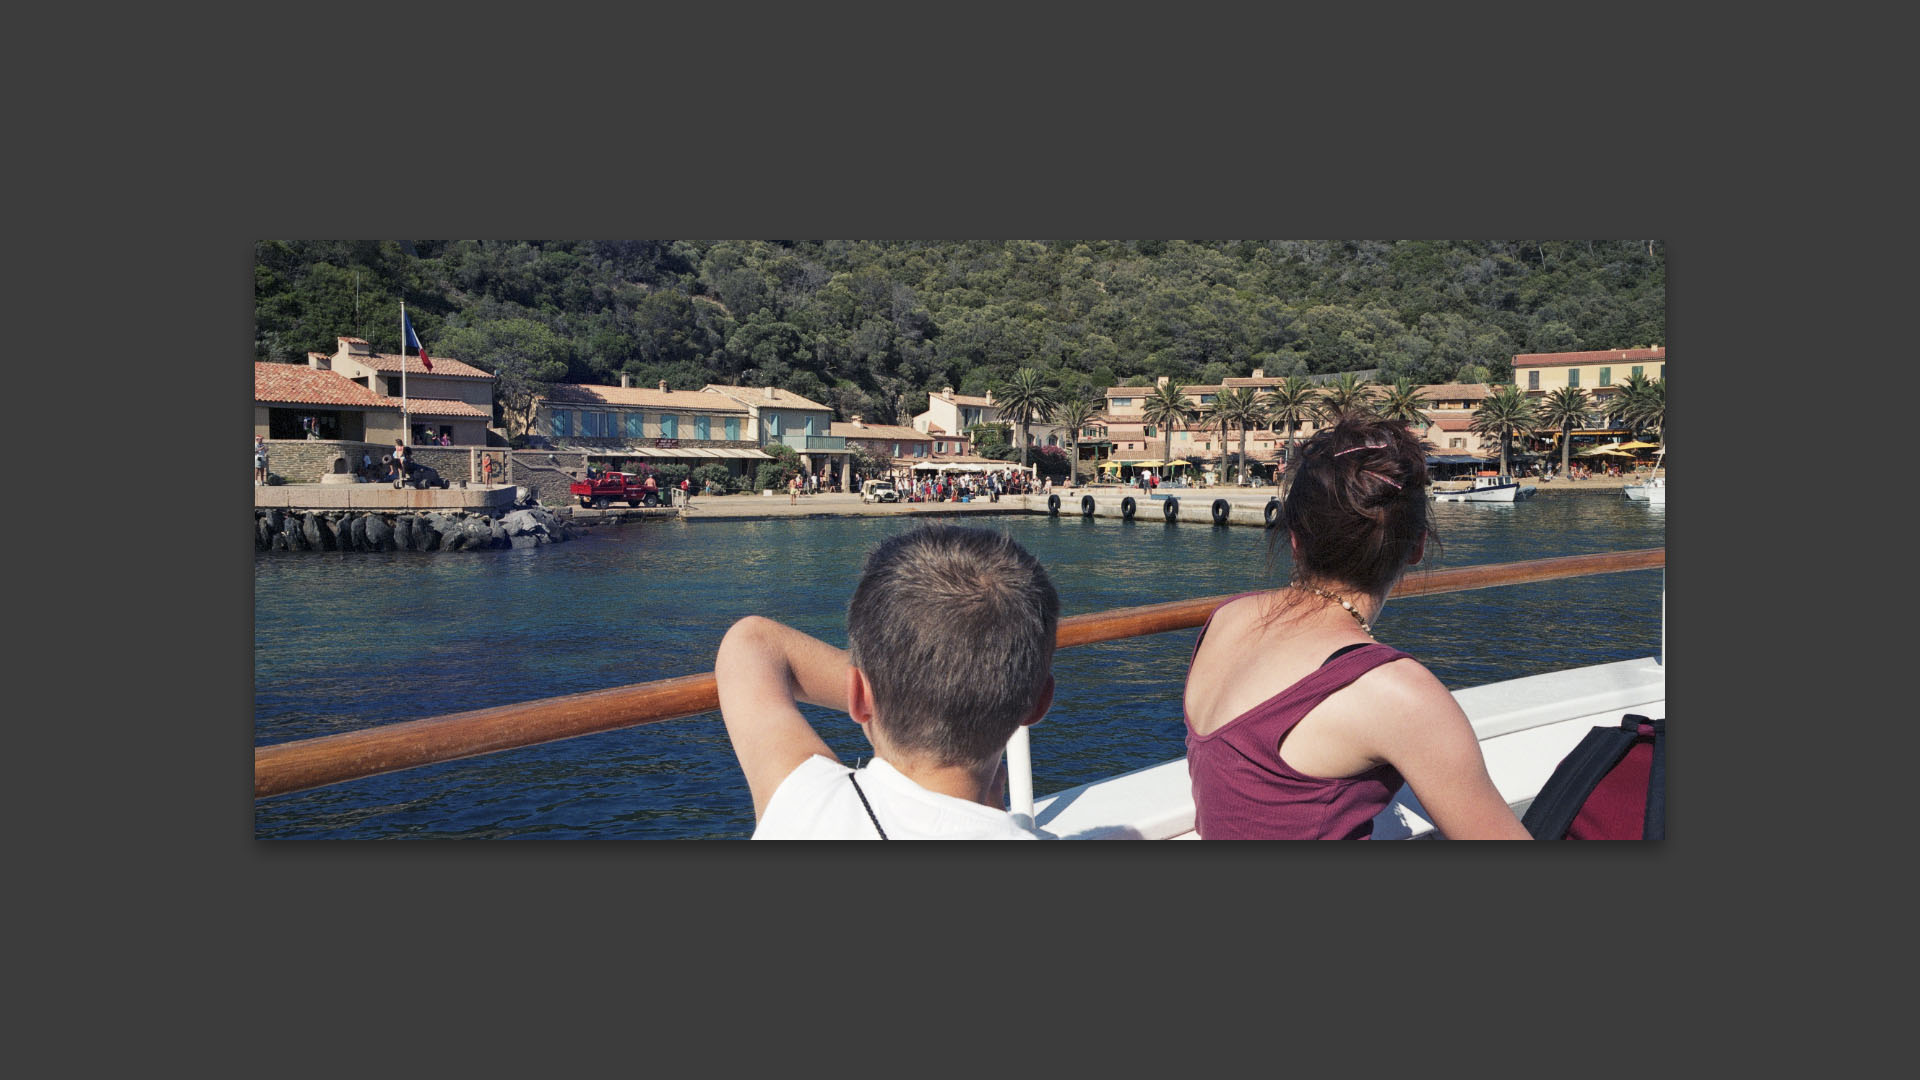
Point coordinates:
[[331, 759]]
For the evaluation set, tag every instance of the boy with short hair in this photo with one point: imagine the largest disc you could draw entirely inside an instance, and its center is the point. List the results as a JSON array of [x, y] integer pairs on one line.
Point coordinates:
[[950, 650]]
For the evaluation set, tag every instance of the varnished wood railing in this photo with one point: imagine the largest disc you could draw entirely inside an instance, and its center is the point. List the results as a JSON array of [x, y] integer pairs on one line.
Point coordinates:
[[331, 759]]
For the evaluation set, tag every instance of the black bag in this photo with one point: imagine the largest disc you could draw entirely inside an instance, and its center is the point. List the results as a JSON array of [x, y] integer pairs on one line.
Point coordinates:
[[1613, 786]]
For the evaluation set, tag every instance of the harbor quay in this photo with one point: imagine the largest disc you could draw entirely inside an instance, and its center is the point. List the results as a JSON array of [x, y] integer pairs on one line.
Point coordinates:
[[1247, 505]]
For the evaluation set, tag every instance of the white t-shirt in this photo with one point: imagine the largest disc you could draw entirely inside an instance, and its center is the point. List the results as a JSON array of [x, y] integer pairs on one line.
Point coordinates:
[[817, 802]]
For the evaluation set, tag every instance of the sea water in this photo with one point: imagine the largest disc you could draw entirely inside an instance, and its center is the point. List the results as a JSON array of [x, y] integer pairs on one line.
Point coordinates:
[[344, 641]]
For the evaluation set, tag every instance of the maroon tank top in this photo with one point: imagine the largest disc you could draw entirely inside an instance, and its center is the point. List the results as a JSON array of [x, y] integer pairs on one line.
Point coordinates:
[[1243, 791]]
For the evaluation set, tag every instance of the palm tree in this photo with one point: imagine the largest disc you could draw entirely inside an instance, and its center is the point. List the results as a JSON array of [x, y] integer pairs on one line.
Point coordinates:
[[1167, 406], [1564, 409], [1244, 407], [1402, 402], [1024, 395], [1504, 412], [1350, 393], [1642, 404], [1294, 402], [1073, 414]]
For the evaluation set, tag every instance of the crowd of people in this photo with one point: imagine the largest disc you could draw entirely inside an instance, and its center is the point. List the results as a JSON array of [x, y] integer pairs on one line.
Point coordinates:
[[1299, 724], [968, 487]]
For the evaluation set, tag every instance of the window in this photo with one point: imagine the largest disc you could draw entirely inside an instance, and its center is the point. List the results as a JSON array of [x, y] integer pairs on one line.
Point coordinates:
[[1573, 376], [919, 449], [1122, 402], [896, 450], [1663, 373], [557, 425], [772, 421], [1640, 370], [1206, 399], [636, 425], [1533, 380], [669, 426], [1453, 444], [1606, 376], [733, 427], [939, 448], [1147, 430], [702, 427], [393, 386]]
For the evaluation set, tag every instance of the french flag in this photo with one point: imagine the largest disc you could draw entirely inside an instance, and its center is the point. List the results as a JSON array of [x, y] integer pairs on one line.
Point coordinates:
[[411, 340]]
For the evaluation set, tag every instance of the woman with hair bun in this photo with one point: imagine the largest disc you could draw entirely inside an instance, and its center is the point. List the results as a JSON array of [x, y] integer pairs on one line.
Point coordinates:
[[1299, 724]]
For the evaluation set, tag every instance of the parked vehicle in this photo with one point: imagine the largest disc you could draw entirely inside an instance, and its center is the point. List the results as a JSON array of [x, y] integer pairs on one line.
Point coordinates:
[[601, 490], [878, 491]]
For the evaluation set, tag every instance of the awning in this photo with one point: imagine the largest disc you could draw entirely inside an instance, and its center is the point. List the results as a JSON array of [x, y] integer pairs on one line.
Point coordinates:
[[673, 453]]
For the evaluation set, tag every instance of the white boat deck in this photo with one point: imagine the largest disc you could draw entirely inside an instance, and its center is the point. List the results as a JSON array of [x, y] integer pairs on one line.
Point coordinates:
[[1525, 727]]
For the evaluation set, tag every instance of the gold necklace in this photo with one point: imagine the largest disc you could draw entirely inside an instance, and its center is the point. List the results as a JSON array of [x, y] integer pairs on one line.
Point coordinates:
[[1342, 601]]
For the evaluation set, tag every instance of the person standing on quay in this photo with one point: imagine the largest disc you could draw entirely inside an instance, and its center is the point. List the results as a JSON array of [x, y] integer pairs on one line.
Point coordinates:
[[259, 461]]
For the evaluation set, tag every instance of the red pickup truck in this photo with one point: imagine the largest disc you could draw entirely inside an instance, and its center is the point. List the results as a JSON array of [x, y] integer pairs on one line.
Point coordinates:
[[602, 489]]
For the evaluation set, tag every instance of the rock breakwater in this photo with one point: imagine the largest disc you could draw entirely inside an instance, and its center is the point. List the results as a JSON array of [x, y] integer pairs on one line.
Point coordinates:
[[349, 530]]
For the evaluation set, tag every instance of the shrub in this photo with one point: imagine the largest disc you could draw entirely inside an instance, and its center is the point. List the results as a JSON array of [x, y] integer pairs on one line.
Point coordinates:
[[716, 475]]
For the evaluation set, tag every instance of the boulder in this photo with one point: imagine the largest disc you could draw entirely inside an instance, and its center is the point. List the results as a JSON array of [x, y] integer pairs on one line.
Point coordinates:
[[262, 532], [403, 534], [379, 534], [356, 529], [523, 540], [311, 527]]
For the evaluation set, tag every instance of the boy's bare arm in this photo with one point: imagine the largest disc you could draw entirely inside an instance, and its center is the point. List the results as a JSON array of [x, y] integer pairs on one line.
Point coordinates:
[[763, 669]]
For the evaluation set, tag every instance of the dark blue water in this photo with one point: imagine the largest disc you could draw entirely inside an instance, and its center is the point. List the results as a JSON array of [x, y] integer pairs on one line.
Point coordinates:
[[353, 640]]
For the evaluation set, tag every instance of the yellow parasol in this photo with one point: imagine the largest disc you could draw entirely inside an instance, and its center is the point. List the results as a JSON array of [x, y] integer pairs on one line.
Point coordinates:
[[1145, 464], [1636, 445], [1179, 461]]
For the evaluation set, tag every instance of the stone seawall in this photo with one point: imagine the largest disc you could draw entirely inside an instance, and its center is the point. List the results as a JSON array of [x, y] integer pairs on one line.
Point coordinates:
[[275, 529]]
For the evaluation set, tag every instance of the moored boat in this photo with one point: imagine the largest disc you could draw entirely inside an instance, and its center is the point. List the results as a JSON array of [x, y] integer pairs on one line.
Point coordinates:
[[1486, 487], [1654, 490]]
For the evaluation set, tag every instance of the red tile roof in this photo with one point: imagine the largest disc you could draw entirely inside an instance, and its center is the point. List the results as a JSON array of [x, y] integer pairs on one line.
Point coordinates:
[[420, 406], [297, 384], [442, 365], [1602, 356], [592, 394]]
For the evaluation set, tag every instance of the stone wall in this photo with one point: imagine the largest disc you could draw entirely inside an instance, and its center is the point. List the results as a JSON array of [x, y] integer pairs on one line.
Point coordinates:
[[547, 472]]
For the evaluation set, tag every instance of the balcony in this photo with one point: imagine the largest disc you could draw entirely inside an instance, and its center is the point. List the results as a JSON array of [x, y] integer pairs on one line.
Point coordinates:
[[811, 442]]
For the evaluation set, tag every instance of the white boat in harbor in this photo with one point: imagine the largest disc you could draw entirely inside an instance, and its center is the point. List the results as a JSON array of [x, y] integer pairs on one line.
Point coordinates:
[[1653, 491], [1486, 487]]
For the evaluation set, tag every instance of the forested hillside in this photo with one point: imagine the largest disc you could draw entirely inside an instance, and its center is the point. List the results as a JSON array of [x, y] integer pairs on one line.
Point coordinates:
[[870, 326]]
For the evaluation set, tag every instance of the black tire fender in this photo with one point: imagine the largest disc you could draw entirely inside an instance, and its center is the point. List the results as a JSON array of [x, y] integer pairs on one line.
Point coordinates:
[[1086, 505], [1170, 510], [1126, 508], [1053, 505], [1221, 509], [1272, 513]]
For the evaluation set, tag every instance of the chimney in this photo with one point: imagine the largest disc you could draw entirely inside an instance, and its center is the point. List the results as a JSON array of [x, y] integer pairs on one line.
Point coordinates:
[[626, 381], [989, 397], [856, 421], [320, 361], [1259, 373], [946, 391], [353, 346], [663, 386], [1161, 381], [772, 393]]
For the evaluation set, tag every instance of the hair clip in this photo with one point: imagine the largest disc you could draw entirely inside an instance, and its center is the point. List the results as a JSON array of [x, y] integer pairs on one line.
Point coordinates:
[[1363, 446], [1388, 479]]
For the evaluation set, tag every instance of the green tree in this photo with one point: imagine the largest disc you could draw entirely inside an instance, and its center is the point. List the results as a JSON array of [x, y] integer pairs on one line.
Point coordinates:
[[1245, 407], [1074, 414], [1024, 396], [1504, 412], [1645, 408], [1294, 402], [525, 357], [1402, 402], [1168, 406], [1565, 409], [1351, 393]]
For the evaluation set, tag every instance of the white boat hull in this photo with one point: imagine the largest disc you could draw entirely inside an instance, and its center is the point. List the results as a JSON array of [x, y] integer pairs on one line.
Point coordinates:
[[1501, 493], [1525, 727], [1655, 492]]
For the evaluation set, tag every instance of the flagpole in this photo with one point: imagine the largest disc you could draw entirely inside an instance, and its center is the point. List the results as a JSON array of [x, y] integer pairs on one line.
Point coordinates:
[[406, 427]]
